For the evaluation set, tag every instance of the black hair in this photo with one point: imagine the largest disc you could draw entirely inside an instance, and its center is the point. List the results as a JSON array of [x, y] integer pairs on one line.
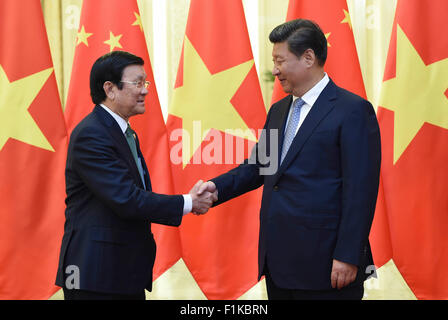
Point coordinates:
[[109, 67], [301, 34]]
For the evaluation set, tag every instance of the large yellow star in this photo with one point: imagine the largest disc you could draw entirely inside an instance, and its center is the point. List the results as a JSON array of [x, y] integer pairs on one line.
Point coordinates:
[[83, 36], [114, 41], [347, 19], [416, 94], [138, 21], [15, 99], [205, 97]]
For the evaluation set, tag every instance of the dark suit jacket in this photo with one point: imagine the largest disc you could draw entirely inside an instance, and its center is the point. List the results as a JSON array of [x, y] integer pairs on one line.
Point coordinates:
[[319, 205], [107, 232]]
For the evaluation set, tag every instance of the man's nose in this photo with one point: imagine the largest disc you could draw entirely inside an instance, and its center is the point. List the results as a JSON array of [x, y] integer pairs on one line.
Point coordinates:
[[275, 71]]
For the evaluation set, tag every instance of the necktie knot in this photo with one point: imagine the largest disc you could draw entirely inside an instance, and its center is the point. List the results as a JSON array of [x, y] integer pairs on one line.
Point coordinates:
[[299, 103], [129, 132]]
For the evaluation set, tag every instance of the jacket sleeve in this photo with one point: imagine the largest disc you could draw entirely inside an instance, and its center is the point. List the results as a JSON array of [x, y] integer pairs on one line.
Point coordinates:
[[106, 174], [360, 160], [248, 175]]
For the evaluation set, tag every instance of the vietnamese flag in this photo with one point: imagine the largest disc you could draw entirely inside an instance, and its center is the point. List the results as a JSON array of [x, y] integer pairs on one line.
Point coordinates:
[[217, 90], [108, 25], [33, 143], [342, 63], [412, 212]]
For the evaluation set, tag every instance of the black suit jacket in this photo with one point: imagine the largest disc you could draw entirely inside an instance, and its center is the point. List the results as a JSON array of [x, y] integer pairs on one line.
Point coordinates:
[[319, 204], [107, 232]]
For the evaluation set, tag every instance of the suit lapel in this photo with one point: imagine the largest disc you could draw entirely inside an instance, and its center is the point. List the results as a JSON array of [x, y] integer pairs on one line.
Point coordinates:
[[120, 140], [320, 109]]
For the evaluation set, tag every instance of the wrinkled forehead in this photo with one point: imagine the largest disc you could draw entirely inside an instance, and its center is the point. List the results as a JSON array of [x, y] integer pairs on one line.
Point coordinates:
[[281, 50], [134, 71]]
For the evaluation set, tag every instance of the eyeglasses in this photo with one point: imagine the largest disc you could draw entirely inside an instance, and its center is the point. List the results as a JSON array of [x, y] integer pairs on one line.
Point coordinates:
[[138, 84]]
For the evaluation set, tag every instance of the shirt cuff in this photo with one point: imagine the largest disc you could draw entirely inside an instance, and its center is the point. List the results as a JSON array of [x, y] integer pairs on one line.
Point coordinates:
[[188, 203]]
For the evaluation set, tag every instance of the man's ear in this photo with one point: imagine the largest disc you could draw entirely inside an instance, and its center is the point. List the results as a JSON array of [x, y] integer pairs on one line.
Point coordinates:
[[109, 89], [309, 57]]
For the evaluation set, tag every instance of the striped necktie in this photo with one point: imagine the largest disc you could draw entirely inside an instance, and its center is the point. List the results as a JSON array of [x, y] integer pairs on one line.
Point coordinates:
[[292, 126]]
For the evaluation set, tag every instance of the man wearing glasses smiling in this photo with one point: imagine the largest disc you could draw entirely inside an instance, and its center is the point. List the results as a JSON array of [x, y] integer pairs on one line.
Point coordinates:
[[108, 250]]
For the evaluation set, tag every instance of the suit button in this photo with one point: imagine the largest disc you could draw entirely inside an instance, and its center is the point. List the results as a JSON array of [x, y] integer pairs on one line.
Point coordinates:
[[275, 188]]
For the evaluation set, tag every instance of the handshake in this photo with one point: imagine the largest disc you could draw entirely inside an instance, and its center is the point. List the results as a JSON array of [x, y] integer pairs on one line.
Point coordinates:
[[203, 195]]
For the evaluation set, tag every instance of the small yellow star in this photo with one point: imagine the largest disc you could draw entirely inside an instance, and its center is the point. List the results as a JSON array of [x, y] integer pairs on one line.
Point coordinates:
[[206, 97], [416, 94], [347, 19], [327, 35], [114, 41], [83, 36], [138, 21], [15, 99]]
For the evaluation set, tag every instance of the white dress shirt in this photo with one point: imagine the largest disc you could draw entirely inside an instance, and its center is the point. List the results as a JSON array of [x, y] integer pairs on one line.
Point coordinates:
[[188, 202], [310, 98]]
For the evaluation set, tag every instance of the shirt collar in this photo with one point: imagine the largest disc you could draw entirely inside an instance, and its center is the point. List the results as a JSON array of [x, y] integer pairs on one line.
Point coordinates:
[[311, 95], [121, 122]]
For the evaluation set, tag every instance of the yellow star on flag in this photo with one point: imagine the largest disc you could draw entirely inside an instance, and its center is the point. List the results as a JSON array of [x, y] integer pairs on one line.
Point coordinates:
[[416, 94], [347, 19], [83, 36], [205, 97], [327, 35], [114, 41], [15, 99], [138, 21]]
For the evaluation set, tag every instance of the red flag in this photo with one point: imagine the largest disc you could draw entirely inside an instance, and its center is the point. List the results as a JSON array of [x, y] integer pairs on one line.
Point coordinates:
[[342, 63], [108, 25], [411, 218], [217, 89], [33, 143]]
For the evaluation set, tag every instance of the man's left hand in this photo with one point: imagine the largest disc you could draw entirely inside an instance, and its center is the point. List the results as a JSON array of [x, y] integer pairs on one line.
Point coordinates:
[[342, 274]]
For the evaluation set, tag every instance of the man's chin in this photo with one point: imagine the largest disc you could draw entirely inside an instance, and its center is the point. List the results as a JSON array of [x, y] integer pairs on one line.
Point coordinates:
[[285, 87], [140, 109]]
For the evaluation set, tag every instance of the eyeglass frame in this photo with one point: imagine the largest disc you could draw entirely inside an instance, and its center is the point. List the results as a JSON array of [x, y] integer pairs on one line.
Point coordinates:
[[139, 84]]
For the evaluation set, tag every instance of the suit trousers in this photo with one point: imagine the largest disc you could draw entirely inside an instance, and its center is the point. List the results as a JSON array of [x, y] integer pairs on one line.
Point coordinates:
[[75, 294], [353, 291]]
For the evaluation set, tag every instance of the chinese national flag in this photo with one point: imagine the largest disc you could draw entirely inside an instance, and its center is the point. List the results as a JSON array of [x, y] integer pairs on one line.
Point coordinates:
[[33, 143], [108, 25], [342, 63], [411, 221], [217, 89]]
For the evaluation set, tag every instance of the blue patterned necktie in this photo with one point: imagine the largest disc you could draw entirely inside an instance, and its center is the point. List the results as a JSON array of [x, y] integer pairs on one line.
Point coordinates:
[[292, 126], [129, 133]]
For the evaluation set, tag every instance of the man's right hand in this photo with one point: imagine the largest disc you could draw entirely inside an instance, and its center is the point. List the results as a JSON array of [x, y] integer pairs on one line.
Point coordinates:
[[202, 198], [208, 186]]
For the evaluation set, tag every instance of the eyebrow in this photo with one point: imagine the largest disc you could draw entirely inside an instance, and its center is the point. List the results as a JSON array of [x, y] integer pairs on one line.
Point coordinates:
[[141, 77]]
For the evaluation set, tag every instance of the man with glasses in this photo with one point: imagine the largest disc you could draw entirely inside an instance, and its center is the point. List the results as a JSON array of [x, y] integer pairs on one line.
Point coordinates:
[[108, 250]]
